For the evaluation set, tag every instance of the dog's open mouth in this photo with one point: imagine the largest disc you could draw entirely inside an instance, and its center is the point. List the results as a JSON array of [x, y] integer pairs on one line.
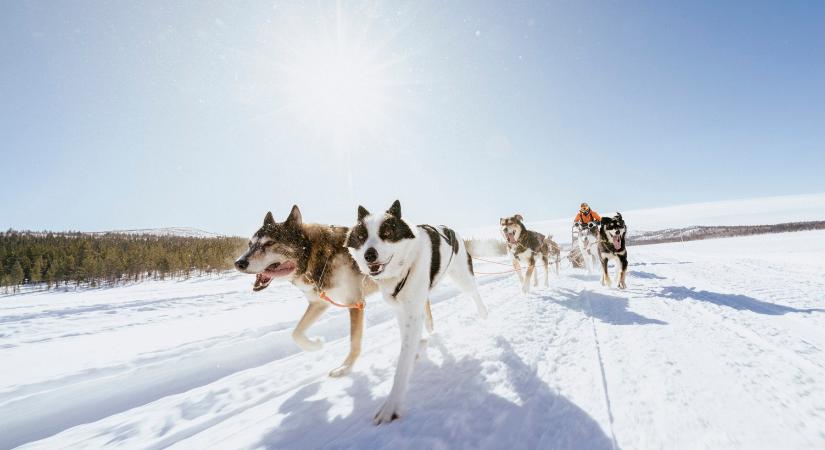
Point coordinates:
[[617, 241], [511, 236], [273, 271], [377, 268]]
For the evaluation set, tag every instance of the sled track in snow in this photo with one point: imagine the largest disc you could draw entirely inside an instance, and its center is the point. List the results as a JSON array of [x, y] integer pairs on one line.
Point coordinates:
[[601, 368]]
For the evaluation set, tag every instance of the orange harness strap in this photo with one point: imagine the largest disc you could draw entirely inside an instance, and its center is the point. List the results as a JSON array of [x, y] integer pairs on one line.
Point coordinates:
[[360, 304]]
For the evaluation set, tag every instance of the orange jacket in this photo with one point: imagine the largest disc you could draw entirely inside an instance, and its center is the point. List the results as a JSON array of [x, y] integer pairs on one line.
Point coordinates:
[[587, 218]]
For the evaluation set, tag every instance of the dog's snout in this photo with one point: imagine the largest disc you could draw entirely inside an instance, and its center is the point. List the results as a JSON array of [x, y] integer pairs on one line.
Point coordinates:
[[242, 264], [370, 255]]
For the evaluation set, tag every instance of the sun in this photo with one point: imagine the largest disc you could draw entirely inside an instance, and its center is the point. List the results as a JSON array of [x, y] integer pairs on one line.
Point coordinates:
[[340, 85]]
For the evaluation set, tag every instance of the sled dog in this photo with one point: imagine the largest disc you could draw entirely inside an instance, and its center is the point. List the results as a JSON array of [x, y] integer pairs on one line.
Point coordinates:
[[407, 262], [314, 259], [525, 246], [553, 251], [587, 237], [612, 233]]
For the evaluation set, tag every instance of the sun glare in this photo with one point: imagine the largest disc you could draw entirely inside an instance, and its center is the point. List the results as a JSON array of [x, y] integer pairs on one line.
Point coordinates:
[[337, 87]]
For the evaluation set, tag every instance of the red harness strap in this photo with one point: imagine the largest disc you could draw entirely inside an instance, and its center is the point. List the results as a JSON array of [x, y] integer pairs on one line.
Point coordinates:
[[360, 304]]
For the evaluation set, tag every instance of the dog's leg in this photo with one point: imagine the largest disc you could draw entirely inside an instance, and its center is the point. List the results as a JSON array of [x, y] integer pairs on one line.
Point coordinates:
[[314, 310], [587, 258], [605, 276], [356, 330], [594, 261], [545, 259], [530, 268], [558, 261], [429, 321], [517, 267], [622, 265], [466, 282], [410, 319]]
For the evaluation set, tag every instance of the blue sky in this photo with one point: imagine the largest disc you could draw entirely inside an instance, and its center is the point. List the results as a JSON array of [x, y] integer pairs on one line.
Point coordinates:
[[148, 114]]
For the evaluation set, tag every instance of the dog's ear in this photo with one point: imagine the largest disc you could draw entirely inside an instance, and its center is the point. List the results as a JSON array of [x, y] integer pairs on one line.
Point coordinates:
[[395, 209], [362, 212], [294, 216], [519, 217], [268, 219]]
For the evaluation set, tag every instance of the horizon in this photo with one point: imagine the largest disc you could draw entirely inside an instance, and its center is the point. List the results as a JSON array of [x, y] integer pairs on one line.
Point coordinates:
[[138, 116], [773, 210]]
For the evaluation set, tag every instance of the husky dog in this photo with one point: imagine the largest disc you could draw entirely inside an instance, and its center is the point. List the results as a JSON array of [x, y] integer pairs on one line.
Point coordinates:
[[587, 237], [313, 258], [407, 263], [553, 251], [525, 246], [612, 233]]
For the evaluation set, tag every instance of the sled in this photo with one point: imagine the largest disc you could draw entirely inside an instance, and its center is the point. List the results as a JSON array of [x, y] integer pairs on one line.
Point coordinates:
[[575, 256]]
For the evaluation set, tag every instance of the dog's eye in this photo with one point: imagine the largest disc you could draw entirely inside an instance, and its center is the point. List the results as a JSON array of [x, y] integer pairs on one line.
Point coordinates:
[[269, 244]]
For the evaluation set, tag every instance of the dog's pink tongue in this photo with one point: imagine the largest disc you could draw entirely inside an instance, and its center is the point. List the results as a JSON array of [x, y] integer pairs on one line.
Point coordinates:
[[617, 242]]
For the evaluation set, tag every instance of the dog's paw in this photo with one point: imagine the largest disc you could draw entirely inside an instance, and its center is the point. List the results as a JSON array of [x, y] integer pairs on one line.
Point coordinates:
[[622, 285], [309, 345], [340, 371], [389, 411], [482, 312]]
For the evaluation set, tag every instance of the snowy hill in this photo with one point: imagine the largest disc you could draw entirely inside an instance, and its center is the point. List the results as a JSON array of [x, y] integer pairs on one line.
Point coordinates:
[[715, 344], [758, 211], [170, 231]]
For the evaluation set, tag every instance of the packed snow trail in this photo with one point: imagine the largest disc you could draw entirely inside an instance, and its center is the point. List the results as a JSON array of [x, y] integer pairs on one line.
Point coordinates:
[[715, 344]]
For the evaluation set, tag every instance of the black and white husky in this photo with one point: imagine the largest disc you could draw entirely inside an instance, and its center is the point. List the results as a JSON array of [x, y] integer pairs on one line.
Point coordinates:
[[612, 233], [407, 262], [587, 238]]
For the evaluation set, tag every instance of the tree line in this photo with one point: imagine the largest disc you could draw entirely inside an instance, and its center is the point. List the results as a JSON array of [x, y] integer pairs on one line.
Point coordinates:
[[50, 259]]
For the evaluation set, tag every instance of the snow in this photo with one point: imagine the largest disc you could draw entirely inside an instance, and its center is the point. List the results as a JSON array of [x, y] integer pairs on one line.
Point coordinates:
[[756, 211], [715, 344]]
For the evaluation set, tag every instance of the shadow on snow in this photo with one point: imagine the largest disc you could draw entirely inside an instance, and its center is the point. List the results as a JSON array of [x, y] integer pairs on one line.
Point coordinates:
[[735, 301], [607, 308], [448, 406]]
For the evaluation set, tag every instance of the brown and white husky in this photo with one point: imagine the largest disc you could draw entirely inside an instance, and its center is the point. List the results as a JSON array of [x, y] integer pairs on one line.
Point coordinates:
[[313, 257]]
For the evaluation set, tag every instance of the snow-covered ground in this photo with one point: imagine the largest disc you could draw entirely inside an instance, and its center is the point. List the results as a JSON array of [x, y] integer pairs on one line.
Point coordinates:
[[715, 344], [755, 211]]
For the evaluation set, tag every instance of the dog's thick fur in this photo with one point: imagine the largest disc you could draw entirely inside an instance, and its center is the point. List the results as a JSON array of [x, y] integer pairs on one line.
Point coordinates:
[[313, 257], [553, 251], [612, 233], [525, 246], [587, 238], [407, 263]]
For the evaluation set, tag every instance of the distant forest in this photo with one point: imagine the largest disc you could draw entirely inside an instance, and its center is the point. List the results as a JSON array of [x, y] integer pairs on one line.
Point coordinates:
[[47, 259]]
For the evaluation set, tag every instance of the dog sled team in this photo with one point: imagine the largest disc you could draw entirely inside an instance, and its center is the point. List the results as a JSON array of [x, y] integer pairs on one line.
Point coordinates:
[[595, 241], [341, 266]]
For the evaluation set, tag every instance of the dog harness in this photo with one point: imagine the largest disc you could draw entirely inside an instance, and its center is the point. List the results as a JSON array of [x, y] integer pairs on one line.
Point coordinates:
[[360, 304]]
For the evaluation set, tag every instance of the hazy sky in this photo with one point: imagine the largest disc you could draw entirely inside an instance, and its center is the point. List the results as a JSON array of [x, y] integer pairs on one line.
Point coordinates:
[[207, 114]]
